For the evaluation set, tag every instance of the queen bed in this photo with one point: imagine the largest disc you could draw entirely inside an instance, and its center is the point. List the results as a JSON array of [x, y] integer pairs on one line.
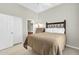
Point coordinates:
[[50, 41]]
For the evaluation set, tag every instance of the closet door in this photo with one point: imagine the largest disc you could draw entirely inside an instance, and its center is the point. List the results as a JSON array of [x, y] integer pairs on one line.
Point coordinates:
[[6, 37], [17, 30], [10, 30]]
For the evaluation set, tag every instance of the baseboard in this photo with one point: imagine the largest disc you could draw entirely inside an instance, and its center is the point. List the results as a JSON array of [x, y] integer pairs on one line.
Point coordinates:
[[17, 43], [72, 47]]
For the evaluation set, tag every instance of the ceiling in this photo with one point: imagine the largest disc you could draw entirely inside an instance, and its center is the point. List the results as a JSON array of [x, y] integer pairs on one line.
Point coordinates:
[[39, 7]]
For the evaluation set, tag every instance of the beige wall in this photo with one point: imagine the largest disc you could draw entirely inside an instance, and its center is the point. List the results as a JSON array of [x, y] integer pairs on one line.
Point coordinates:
[[70, 12], [16, 10]]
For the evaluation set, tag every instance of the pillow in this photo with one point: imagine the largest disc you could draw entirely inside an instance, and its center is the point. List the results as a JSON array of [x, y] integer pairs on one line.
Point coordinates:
[[55, 30], [48, 30], [58, 30], [40, 30]]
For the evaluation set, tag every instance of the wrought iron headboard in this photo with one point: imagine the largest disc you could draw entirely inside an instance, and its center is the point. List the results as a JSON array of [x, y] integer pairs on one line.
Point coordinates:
[[57, 25]]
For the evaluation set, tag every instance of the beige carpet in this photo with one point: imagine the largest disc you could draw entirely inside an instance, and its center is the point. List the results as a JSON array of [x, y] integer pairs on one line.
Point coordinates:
[[20, 50]]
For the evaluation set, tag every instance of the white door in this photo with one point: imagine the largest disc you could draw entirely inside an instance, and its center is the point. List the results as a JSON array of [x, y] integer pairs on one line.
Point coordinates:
[[10, 31], [6, 39], [18, 30]]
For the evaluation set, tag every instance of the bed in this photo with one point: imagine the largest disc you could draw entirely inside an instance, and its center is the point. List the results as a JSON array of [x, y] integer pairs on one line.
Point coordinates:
[[47, 42]]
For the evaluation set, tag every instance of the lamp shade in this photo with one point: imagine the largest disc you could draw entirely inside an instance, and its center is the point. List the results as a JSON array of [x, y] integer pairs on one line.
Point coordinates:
[[39, 25]]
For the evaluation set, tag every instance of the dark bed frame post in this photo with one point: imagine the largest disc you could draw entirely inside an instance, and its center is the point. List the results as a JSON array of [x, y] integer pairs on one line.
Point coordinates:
[[65, 31], [65, 25], [46, 25]]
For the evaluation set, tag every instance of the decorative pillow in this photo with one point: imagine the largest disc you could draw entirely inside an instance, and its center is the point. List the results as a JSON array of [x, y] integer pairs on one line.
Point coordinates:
[[40, 30]]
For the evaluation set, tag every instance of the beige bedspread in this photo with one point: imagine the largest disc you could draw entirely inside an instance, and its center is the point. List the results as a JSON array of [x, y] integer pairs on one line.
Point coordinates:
[[44, 43]]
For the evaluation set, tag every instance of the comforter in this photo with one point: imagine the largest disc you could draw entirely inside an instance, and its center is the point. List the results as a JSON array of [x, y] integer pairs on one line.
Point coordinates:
[[45, 43]]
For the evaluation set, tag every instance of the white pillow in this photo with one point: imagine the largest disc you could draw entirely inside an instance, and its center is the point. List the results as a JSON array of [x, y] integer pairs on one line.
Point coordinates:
[[55, 30], [58, 30], [48, 30]]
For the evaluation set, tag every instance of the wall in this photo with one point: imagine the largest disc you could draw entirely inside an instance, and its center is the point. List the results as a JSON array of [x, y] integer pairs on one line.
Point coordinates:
[[70, 12], [16, 10]]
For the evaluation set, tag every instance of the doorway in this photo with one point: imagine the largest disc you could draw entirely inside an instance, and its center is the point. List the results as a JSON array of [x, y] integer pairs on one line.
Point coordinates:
[[30, 26]]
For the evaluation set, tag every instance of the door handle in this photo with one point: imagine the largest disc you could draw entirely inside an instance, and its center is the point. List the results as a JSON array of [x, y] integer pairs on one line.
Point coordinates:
[[11, 32]]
